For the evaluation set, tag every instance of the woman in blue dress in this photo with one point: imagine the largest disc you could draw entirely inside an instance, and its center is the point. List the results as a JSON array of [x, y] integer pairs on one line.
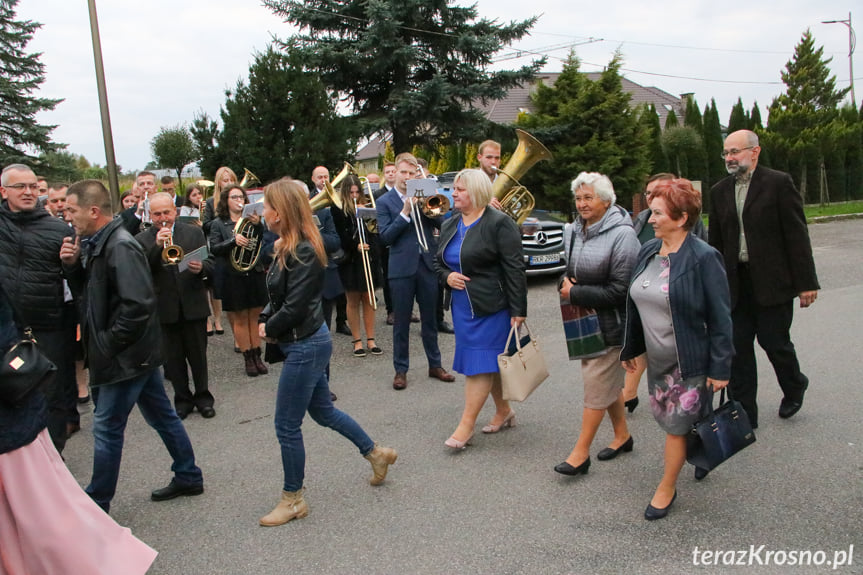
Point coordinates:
[[480, 259]]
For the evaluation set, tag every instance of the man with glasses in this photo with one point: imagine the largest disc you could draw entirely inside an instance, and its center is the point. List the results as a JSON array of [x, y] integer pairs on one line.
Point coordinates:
[[757, 223], [31, 274]]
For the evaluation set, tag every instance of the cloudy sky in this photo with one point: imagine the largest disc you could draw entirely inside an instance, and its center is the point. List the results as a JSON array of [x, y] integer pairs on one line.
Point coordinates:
[[166, 60]]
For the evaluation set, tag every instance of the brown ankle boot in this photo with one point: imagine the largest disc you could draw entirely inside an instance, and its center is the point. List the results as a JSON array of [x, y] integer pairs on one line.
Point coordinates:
[[251, 368], [381, 458], [259, 365], [291, 506]]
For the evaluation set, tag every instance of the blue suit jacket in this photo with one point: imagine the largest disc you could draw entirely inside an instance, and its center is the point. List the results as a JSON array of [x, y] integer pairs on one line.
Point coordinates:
[[401, 237]]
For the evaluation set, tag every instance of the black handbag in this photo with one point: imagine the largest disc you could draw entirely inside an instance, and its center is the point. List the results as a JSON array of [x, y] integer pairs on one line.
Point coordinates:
[[720, 434], [273, 353], [24, 370]]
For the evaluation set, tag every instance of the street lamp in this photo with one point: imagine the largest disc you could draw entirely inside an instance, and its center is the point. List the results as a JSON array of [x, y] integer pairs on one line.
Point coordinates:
[[852, 43]]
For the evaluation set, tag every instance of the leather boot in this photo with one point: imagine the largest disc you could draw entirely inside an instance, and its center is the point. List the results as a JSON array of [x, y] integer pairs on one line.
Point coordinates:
[[251, 368], [259, 365], [291, 506], [381, 458]]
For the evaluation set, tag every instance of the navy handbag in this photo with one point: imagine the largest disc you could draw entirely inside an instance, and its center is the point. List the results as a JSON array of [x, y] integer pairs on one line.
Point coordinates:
[[720, 434]]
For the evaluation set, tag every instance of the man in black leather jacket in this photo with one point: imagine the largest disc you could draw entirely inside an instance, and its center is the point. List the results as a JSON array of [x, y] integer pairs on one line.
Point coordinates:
[[31, 273], [120, 332]]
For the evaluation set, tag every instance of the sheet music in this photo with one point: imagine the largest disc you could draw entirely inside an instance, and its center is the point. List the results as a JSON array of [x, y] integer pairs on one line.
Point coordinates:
[[256, 208], [367, 213], [197, 255], [426, 186]]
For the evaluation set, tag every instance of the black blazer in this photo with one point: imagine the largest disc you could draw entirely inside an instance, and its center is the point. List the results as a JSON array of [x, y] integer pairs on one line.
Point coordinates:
[[175, 290], [777, 239], [493, 258]]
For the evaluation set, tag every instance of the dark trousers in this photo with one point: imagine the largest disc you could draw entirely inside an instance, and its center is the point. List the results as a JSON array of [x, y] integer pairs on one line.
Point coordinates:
[[185, 343], [340, 304], [772, 326], [424, 287], [383, 256], [56, 346], [68, 375]]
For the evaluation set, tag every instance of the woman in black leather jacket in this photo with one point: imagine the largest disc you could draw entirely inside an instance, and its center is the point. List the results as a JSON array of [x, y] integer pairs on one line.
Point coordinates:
[[294, 321], [243, 294], [49, 524], [481, 261]]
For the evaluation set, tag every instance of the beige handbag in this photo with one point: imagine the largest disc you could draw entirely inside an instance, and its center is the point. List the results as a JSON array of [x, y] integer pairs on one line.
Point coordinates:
[[524, 370]]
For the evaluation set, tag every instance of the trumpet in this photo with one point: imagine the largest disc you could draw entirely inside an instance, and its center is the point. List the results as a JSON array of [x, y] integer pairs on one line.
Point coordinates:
[[364, 254], [172, 254]]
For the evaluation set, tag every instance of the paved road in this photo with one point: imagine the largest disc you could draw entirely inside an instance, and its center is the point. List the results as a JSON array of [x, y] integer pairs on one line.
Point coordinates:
[[498, 507]]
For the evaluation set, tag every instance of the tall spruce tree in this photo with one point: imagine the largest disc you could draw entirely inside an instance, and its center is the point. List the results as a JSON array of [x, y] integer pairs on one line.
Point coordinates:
[[671, 120], [415, 68], [22, 139], [649, 120], [588, 126], [755, 118], [804, 127]]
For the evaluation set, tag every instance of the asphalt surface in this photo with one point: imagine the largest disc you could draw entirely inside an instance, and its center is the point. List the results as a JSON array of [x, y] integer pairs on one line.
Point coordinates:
[[498, 507]]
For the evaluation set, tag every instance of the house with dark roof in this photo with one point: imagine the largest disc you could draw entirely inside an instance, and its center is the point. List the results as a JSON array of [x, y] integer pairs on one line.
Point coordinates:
[[506, 110]]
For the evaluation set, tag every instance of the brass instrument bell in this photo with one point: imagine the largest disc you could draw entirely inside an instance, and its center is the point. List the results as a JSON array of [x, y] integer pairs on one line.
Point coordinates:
[[172, 254], [516, 201]]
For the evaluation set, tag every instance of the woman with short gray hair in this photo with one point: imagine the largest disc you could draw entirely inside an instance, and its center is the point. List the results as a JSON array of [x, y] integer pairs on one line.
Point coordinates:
[[601, 250]]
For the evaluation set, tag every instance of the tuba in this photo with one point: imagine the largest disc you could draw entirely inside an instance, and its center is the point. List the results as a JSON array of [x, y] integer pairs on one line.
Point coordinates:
[[206, 186], [172, 254], [244, 258], [249, 179], [328, 196], [516, 201]]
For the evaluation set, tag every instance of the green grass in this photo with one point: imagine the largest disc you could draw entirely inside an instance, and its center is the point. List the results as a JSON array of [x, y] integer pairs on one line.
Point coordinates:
[[814, 211]]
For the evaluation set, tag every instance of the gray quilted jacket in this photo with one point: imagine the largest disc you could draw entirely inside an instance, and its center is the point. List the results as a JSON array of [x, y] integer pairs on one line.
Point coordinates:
[[601, 262]]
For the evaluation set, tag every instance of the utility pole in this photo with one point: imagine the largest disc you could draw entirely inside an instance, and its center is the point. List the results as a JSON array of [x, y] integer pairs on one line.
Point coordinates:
[[852, 43], [110, 162]]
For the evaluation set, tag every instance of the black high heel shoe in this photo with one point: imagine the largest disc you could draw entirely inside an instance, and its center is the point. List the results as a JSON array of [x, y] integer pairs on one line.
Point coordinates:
[[631, 404], [652, 513], [567, 469]]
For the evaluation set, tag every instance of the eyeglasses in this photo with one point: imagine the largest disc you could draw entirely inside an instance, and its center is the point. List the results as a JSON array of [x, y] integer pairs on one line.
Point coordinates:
[[22, 187], [236, 197], [734, 151]]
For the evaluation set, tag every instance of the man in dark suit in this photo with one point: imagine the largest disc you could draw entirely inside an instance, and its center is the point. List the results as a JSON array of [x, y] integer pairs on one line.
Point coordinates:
[[182, 305], [411, 273], [757, 223]]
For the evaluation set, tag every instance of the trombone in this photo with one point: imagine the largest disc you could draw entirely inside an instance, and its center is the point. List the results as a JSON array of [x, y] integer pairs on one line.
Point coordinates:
[[364, 253], [416, 213]]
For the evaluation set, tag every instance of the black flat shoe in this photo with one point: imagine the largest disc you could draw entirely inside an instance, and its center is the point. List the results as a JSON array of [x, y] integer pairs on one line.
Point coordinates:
[[701, 473], [567, 469], [652, 513], [220, 331], [631, 404], [374, 349], [207, 412], [174, 490], [210, 333], [609, 453], [788, 408]]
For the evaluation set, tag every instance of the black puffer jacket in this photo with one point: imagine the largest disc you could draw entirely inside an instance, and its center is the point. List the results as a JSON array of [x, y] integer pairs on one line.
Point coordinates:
[[120, 326], [294, 311], [30, 267]]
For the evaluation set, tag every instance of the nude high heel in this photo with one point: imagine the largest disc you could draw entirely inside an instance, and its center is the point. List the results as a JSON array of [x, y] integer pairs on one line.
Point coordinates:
[[508, 421], [454, 443]]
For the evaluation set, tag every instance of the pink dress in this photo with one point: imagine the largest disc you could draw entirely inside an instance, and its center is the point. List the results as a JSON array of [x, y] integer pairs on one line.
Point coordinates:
[[49, 526]]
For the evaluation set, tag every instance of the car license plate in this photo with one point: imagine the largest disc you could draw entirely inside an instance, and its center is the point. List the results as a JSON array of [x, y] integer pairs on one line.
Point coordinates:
[[544, 259]]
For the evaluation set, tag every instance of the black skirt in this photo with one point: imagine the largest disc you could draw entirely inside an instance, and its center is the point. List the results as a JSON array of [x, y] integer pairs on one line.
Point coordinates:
[[243, 291]]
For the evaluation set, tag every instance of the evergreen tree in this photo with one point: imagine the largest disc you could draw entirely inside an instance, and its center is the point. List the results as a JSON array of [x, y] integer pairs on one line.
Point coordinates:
[[414, 68], [739, 119], [649, 120], [21, 74], [282, 122], [678, 142], [755, 119], [713, 144], [671, 120], [205, 133], [588, 126], [696, 158], [853, 154], [805, 127]]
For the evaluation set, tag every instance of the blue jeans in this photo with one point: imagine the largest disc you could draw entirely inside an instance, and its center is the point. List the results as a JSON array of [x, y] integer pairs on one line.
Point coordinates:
[[303, 386], [113, 405]]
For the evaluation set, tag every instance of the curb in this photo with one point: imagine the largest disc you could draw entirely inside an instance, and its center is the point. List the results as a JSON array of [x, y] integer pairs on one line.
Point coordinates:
[[825, 219]]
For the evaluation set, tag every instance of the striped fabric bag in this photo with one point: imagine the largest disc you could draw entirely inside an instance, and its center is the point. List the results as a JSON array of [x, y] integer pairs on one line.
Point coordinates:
[[581, 328]]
